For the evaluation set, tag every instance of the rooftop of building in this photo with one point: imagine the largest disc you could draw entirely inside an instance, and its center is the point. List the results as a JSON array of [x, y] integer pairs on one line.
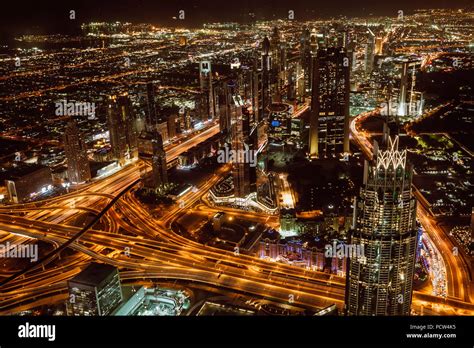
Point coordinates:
[[94, 274], [19, 171]]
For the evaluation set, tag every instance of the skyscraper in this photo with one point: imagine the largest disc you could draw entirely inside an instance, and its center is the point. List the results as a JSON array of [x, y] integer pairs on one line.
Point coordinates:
[[305, 58], [379, 45], [151, 118], [369, 51], [122, 128], [229, 109], [314, 40], [244, 140], [159, 166], [78, 169], [409, 102], [221, 92], [329, 120], [291, 81], [152, 151], [265, 67], [171, 121], [380, 282], [205, 79], [278, 64], [94, 291], [351, 53], [257, 98]]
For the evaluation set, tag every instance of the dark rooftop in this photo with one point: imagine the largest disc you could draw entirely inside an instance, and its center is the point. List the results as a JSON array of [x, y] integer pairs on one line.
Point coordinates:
[[94, 274], [19, 171]]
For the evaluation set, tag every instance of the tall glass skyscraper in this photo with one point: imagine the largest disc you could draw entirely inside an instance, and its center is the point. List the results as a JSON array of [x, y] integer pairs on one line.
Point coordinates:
[[96, 290], [244, 140], [78, 169], [122, 128], [380, 282], [205, 80], [329, 120]]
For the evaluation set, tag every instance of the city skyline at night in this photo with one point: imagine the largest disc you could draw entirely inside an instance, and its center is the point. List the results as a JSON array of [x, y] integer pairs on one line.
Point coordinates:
[[198, 160]]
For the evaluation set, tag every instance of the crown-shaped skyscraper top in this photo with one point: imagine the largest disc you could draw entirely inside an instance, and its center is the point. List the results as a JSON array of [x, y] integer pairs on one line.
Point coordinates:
[[392, 157]]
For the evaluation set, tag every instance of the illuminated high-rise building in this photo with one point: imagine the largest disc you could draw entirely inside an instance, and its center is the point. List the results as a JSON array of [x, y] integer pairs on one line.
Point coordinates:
[[265, 68], [152, 151], [78, 169], [260, 99], [257, 97], [278, 48], [96, 290], [314, 41], [300, 83], [244, 142], [242, 78], [276, 65], [122, 128], [343, 38], [291, 82], [329, 120], [205, 79], [305, 58], [313, 46], [159, 176], [410, 102], [151, 117], [351, 54], [369, 51], [379, 45], [230, 104], [221, 92], [380, 282], [275, 47]]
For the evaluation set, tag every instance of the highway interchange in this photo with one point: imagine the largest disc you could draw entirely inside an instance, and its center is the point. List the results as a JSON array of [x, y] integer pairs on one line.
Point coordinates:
[[142, 246]]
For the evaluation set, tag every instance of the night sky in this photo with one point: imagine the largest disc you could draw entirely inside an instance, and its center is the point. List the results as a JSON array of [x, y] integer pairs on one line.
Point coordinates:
[[49, 16]]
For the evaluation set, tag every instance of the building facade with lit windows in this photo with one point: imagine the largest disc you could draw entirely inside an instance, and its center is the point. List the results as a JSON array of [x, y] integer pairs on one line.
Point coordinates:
[[244, 141], [78, 169], [329, 120], [381, 281], [96, 290], [122, 128], [151, 150], [205, 80]]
